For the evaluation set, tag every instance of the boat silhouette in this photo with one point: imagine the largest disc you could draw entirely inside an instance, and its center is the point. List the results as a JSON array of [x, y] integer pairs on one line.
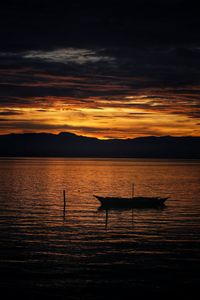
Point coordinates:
[[131, 202]]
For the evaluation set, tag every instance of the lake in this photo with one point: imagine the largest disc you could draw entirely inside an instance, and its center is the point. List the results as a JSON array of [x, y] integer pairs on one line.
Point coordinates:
[[79, 254]]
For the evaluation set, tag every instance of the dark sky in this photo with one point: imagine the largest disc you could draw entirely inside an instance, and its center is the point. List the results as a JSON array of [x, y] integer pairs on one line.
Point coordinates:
[[43, 24], [106, 68]]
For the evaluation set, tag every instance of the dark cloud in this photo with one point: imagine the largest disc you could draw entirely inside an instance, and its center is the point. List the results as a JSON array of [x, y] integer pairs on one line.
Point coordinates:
[[10, 113], [32, 126]]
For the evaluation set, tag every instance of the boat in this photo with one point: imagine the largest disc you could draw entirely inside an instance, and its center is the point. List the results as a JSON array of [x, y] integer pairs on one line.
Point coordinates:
[[133, 202]]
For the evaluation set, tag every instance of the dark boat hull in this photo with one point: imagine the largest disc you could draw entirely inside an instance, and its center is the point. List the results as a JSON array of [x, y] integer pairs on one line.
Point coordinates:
[[135, 202]]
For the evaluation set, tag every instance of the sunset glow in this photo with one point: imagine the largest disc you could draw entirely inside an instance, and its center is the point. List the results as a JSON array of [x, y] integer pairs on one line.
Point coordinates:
[[152, 112]]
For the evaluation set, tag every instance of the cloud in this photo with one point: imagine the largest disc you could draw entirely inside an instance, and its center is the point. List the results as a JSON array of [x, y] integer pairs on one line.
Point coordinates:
[[10, 113], [30, 126], [69, 55]]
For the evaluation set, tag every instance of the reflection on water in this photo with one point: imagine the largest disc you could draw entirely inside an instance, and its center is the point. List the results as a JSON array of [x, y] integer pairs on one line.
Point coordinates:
[[85, 249]]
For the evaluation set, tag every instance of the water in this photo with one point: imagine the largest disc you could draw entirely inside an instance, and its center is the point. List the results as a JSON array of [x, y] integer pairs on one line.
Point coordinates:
[[75, 255]]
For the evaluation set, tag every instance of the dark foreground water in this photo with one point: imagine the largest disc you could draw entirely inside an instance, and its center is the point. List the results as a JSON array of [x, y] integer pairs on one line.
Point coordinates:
[[76, 256]]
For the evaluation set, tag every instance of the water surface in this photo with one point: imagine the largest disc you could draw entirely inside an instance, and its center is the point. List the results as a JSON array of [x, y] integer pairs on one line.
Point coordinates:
[[46, 252]]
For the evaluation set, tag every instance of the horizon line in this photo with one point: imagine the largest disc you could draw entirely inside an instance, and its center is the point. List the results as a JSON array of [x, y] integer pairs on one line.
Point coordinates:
[[103, 139]]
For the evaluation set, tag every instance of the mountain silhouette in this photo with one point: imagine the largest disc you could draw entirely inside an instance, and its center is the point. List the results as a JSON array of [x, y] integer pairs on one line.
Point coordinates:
[[67, 144]]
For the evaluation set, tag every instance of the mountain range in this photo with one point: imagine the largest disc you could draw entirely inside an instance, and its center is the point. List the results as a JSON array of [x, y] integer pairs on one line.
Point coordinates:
[[67, 144]]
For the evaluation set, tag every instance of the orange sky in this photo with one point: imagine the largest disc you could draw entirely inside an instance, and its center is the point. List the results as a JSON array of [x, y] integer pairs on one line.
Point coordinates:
[[130, 116], [93, 93]]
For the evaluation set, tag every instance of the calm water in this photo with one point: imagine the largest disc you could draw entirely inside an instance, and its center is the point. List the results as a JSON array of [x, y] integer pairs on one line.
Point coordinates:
[[44, 252]]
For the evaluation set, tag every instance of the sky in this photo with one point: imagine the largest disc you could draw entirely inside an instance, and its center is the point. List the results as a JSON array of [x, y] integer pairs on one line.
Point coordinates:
[[106, 69]]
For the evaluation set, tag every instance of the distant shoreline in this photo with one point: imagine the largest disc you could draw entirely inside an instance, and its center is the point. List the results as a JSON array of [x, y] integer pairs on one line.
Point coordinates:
[[136, 159], [69, 145]]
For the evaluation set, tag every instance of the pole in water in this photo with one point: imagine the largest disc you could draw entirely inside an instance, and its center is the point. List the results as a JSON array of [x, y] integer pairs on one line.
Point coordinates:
[[132, 190], [132, 217], [106, 225], [64, 199]]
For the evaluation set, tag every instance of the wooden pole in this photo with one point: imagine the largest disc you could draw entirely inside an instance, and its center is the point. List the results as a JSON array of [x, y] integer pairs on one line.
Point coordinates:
[[132, 217], [106, 226], [64, 199], [132, 190]]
